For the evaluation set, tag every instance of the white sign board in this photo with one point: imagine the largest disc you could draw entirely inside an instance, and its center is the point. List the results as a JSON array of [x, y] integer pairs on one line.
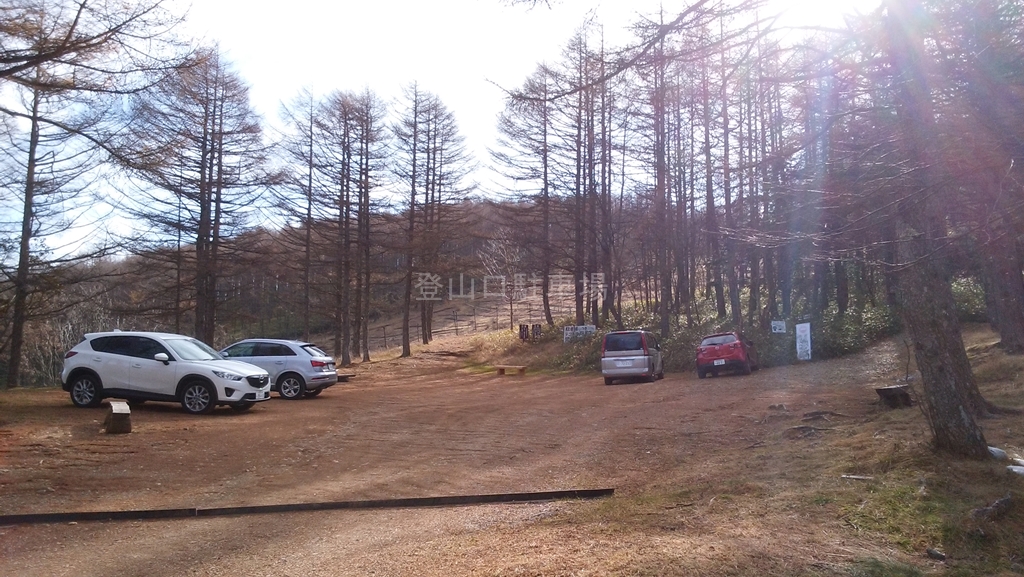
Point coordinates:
[[577, 332], [779, 327], [803, 341]]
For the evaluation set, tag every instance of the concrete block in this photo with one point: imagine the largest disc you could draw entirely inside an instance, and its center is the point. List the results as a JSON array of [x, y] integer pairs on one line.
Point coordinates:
[[119, 418]]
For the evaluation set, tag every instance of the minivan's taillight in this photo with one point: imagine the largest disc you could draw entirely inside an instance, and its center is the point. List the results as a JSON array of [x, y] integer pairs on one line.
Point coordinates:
[[70, 354], [643, 341], [604, 343]]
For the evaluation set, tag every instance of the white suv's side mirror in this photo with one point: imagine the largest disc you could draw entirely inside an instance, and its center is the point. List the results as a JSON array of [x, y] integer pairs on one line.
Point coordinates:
[[162, 357]]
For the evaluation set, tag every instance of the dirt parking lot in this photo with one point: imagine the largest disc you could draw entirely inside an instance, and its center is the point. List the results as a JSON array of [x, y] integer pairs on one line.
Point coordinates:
[[420, 428]]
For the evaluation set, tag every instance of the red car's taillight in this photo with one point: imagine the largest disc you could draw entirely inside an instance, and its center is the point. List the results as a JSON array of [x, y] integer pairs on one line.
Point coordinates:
[[70, 354]]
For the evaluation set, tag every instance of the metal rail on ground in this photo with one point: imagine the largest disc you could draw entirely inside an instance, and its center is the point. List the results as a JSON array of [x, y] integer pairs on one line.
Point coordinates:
[[455, 500]]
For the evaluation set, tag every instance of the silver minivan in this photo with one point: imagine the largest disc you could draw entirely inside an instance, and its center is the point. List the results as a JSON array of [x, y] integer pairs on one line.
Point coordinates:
[[631, 354]]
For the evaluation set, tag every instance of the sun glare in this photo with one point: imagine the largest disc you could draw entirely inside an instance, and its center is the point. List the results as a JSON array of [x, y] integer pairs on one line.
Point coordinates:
[[811, 13]]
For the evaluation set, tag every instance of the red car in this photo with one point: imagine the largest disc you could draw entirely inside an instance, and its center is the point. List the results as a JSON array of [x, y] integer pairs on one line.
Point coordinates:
[[726, 351]]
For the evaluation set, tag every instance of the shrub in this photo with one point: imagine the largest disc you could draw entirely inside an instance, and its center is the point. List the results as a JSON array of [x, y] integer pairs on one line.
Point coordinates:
[[582, 354], [831, 336], [834, 336], [970, 299]]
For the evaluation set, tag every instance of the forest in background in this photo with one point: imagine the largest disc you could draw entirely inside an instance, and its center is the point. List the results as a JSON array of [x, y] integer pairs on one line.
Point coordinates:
[[704, 174]]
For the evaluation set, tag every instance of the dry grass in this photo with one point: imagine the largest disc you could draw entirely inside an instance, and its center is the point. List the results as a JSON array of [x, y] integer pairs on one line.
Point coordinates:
[[787, 504]]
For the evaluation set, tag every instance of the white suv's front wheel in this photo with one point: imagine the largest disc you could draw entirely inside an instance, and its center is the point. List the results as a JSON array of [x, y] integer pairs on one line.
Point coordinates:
[[85, 391], [198, 398]]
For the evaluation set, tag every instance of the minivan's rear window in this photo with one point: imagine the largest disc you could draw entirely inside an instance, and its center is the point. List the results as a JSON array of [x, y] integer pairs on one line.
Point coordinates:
[[718, 340], [623, 342]]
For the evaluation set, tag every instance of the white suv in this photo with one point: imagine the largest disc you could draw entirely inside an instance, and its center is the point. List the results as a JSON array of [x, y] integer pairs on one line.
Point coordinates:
[[297, 368], [141, 366]]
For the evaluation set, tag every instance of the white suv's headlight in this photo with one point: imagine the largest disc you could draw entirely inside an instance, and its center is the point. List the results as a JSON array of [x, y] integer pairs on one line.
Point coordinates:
[[228, 376]]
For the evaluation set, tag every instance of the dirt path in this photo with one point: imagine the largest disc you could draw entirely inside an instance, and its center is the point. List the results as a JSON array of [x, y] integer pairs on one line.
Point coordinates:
[[409, 429]]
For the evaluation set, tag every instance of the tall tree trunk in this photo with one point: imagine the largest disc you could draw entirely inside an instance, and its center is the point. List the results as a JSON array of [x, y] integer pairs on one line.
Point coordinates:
[[927, 306], [663, 265], [607, 262], [340, 350], [202, 248], [217, 216], [354, 255], [820, 287], [730, 223], [364, 235], [593, 199], [711, 219], [842, 288], [928, 312], [357, 288], [1002, 267], [21, 277], [772, 306], [785, 274], [579, 198], [345, 256], [364, 318], [546, 214], [754, 302], [410, 233], [307, 253]]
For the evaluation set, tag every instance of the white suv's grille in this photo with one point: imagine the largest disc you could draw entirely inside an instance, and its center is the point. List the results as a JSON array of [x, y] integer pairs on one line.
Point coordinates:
[[258, 382]]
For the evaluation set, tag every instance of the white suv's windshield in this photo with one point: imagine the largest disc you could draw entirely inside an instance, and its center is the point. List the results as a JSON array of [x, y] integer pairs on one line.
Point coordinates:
[[192, 350]]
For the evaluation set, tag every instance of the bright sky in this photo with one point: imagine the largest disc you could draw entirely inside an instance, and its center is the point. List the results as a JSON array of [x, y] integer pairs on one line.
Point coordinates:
[[461, 50]]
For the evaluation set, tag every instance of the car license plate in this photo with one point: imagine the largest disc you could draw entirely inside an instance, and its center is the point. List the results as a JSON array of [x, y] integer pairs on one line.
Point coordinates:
[[623, 364], [719, 362], [261, 395]]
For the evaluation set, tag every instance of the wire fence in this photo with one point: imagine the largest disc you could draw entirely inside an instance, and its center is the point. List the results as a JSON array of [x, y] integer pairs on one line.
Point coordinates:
[[469, 319]]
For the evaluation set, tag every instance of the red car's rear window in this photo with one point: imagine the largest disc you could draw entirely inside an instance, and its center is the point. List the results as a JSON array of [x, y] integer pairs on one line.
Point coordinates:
[[718, 340]]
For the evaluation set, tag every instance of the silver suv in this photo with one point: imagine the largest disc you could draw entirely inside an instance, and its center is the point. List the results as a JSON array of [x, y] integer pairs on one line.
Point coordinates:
[[297, 368], [142, 366]]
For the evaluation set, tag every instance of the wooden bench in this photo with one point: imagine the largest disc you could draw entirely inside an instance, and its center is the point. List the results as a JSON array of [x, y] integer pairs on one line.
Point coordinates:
[[519, 369], [119, 418], [344, 377]]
